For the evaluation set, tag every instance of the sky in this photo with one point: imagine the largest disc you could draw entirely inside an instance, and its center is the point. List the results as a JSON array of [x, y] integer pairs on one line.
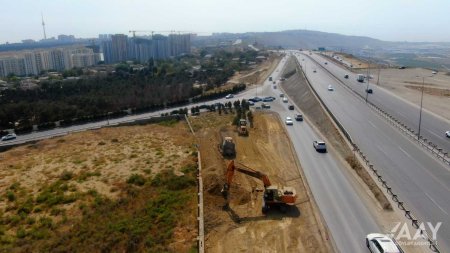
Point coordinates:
[[392, 20]]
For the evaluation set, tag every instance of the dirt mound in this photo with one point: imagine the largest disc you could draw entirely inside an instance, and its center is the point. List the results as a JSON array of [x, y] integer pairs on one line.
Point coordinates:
[[299, 90]]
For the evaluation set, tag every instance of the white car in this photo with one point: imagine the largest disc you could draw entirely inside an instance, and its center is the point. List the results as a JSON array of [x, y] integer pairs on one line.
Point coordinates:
[[285, 100], [9, 137], [447, 134], [289, 121], [229, 96], [330, 88], [320, 146], [379, 243]]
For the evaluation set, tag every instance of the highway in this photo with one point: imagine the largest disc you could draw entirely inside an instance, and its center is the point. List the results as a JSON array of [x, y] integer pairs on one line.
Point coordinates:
[[432, 127], [420, 180], [345, 213]]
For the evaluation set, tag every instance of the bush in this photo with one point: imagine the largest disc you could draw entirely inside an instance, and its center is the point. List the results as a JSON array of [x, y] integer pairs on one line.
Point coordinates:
[[10, 195], [21, 233], [66, 175], [136, 180]]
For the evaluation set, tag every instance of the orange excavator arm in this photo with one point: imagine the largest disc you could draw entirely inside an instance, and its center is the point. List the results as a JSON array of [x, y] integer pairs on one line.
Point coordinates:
[[248, 171]]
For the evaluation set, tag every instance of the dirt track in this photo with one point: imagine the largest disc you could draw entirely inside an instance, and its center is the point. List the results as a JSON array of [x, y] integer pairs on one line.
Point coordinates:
[[267, 149]]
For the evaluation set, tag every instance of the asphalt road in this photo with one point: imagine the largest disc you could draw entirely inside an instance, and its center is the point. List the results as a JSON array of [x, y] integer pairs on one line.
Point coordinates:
[[420, 180], [345, 214], [432, 127]]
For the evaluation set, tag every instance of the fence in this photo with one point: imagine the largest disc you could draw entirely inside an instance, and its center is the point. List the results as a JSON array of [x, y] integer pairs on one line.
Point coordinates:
[[400, 204]]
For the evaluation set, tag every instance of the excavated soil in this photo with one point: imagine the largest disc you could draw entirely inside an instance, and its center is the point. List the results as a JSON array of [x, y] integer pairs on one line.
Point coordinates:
[[244, 228]]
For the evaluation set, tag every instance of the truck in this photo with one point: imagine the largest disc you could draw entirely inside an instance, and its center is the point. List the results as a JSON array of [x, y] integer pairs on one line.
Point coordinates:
[[227, 147], [360, 78], [242, 127]]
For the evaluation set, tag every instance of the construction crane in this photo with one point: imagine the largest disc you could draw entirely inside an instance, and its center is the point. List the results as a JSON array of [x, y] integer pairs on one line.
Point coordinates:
[[274, 196], [153, 32]]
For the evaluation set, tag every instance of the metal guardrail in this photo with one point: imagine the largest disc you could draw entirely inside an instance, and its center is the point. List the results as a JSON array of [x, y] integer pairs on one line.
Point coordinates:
[[428, 145], [432, 244]]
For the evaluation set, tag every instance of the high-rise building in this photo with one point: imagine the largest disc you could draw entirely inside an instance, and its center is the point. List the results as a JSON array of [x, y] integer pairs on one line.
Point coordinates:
[[33, 62], [119, 47]]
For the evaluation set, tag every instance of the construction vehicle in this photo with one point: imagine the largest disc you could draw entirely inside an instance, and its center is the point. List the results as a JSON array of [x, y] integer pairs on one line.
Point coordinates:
[[227, 147], [273, 195], [242, 127]]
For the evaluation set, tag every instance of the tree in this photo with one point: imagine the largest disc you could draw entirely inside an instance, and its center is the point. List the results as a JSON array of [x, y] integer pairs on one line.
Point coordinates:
[[250, 118]]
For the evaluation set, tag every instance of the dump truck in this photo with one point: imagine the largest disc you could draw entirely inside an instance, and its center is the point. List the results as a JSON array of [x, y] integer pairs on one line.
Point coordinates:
[[242, 127], [274, 196], [227, 147], [360, 78]]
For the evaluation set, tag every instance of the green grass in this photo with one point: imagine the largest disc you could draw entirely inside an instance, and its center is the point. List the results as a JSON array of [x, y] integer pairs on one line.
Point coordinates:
[[142, 220]]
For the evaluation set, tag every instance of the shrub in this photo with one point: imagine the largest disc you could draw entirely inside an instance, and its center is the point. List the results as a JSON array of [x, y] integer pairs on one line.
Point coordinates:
[[21, 233], [136, 179], [66, 175], [10, 195]]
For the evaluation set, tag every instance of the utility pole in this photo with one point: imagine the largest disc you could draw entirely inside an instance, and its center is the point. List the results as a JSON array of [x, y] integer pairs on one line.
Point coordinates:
[[420, 113], [379, 72], [368, 79]]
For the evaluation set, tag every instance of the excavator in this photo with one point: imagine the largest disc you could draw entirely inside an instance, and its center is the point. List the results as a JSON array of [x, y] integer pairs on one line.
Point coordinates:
[[273, 196]]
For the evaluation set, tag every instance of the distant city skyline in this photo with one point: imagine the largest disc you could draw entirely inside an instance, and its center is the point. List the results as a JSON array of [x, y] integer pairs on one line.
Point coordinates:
[[400, 20]]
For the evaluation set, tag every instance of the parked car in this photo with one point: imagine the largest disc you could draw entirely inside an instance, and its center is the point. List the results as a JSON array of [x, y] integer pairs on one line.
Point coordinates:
[[320, 146], [265, 106], [330, 88], [285, 100], [229, 96], [379, 243], [447, 134], [346, 76], [298, 117], [291, 107], [289, 121], [255, 99], [370, 91], [250, 103], [9, 137]]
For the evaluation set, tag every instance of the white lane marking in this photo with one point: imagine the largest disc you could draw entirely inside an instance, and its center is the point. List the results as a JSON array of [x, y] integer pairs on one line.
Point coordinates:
[[370, 122], [406, 153], [437, 135], [442, 209]]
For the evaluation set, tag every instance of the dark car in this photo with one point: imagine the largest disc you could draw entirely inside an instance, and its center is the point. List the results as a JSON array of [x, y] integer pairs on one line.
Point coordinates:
[[8, 137], [291, 107], [299, 117], [268, 99], [370, 91], [265, 106], [346, 76]]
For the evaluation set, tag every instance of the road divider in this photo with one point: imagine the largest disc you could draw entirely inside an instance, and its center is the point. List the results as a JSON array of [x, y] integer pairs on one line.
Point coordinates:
[[432, 244], [441, 154]]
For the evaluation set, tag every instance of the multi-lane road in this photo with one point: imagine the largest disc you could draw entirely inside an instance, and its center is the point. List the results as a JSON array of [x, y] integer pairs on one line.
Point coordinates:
[[432, 127], [416, 176]]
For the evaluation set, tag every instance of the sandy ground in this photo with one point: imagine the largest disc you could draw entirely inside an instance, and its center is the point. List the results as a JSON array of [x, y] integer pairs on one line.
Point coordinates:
[[245, 228], [258, 75], [100, 160], [407, 84], [349, 59]]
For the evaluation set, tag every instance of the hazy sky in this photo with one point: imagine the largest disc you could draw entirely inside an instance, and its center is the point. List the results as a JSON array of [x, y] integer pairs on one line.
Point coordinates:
[[398, 20]]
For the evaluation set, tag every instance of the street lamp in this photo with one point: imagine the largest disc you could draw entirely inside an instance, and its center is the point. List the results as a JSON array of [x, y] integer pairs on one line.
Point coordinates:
[[421, 102], [368, 79]]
